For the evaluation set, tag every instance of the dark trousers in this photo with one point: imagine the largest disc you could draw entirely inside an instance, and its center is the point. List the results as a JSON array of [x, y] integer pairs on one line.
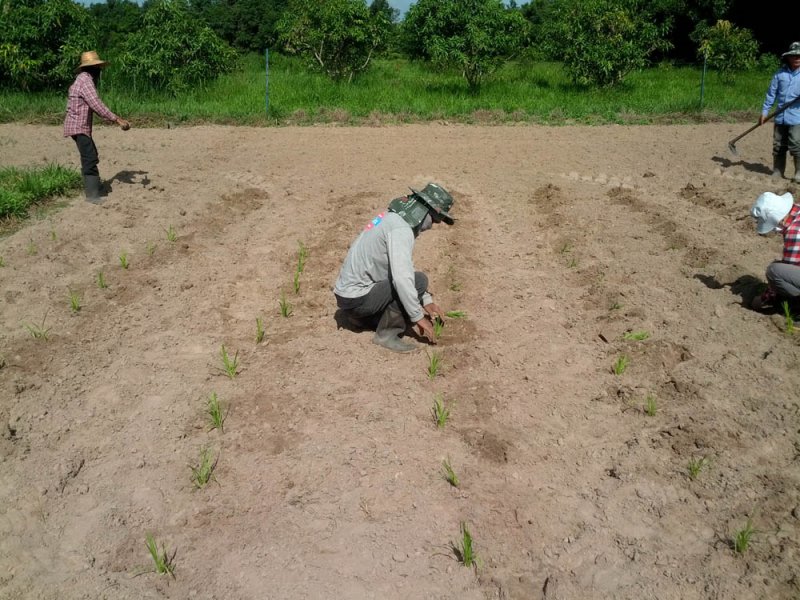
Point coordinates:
[[89, 157], [380, 297], [786, 137]]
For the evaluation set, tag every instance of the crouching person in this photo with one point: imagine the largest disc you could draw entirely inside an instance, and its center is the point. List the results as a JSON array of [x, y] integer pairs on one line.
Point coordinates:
[[378, 279], [780, 214]]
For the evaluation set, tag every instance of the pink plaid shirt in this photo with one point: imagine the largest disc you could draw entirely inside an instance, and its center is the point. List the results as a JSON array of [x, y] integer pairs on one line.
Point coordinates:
[[791, 236], [82, 103]]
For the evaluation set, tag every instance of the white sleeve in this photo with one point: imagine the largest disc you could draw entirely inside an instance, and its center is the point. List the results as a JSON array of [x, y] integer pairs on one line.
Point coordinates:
[[400, 244]]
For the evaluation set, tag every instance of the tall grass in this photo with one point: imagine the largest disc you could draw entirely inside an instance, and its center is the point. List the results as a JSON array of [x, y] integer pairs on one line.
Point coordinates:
[[22, 187], [396, 90]]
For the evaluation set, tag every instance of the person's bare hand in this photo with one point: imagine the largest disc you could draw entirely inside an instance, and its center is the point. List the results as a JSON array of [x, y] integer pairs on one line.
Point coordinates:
[[425, 329], [433, 311], [124, 125], [762, 119]]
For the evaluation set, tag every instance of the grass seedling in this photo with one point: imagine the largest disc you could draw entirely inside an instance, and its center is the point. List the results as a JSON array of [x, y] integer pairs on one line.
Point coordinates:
[[438, 327], [788, 318], [615, 306], [566, 248], [573, 262], [2, 262], [434, 364], [38, 332], [448, 473], [620, 365], [455, 286], [101, 281], [204, 471], [53, 235], [695, 466], [286, 307], [172, 235], [440, 412], [465, 552], [229, 365], [635, 336], [215, 412], [302, 255], [164, 563], [151, 248], [74, 301], [260, 332], [743, 538], [456, 314], [296, 281], [123, 259], [650, 406], [32, 249]]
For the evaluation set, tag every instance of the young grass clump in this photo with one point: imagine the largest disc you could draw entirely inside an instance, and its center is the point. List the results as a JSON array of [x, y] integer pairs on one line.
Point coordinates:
[[151, 248], [22, 187], [743, 538], [215, 411], [650, 406], [39, 332], [635, 336], [434, 364], [172, 235], [620, 365], [438, 327], [456, 314], [695, 466], [123, 260], [74, 301], [449, 474], [615, 306], [101, 280], [296, 282], [229, 365], [286, 307], [440, 411], [32, 250], [788, 318], [302, 256], [2, 262], [260, 331], [204, 471], [465, 550], [164, 563]]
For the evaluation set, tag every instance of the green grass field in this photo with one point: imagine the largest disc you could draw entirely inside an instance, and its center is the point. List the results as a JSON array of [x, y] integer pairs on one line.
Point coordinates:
[[21, 188], [401, 91]]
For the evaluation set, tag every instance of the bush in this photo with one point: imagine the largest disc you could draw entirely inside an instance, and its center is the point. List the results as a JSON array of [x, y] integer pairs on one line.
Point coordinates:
[[337, 37], [172, 51], [727, 48], [601, 41], [41, 42]]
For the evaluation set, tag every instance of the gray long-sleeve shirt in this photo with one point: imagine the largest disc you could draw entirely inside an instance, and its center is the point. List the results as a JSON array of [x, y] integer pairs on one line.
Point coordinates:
[[382, 251]]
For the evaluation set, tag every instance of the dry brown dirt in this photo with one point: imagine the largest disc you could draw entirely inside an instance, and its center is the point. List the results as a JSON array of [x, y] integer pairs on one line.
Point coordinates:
[[328, 482]]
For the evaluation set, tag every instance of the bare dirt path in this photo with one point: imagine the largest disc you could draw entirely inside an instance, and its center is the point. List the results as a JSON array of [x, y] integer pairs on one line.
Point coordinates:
[[329, 476]]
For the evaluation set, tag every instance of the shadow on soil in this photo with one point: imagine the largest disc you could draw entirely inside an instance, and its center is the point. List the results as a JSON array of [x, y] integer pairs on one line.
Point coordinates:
[[748, 166]]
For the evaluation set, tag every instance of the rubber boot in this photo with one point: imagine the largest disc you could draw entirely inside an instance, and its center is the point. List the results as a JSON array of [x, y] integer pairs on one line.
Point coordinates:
[[796, 178], [387, 334], [91, 185], [778, 165]]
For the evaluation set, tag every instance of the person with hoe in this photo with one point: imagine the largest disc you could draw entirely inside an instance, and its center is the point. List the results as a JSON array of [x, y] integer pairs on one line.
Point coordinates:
[[82, 102], [782, 215], [785, 88], [378, 280]]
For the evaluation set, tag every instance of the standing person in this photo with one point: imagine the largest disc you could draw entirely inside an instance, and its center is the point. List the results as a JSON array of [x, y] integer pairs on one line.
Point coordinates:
[[82, 102], [378, 276], [782, 215], [785, 88]]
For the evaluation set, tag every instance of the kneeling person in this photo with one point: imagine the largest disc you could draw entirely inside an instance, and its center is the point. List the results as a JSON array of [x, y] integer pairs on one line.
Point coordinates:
[[378, 276]]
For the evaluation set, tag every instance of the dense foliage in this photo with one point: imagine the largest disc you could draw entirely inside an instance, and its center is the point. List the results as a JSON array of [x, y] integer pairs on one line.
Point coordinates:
[[726, 48], [245, 24], [41, 42], [172, 51], [474, 36], [338, 37]]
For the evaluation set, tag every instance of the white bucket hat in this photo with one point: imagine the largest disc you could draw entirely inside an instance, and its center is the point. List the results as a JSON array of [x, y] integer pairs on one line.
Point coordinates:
[[770, 209]]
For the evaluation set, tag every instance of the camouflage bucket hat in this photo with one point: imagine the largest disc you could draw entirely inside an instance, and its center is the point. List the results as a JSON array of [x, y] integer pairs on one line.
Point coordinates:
[[794, 50], [411, 209], [437, 199]]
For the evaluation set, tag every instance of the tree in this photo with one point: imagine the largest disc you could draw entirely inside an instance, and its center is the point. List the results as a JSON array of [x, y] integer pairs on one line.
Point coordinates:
[[41, 42], [245, 24], [601, 41], [115, 20], [726, 47], [337, 37], [172, 51], [475, 36]]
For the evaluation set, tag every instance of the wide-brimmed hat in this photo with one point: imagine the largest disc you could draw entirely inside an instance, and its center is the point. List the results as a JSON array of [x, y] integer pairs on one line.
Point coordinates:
[[91, 59], [794, 50], [438, 200], [769, 210]]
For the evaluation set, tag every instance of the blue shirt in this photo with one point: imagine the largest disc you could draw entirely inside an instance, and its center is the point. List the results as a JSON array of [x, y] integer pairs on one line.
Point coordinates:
[[784, 87]]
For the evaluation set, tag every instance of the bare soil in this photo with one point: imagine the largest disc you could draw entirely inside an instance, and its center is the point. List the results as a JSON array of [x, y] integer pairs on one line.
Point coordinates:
[[329, 475]]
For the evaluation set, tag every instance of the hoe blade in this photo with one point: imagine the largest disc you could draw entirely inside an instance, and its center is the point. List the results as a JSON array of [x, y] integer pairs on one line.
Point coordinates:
[[732, 148]]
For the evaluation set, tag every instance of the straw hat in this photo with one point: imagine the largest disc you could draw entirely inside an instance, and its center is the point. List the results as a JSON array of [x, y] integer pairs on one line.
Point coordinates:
[[91, 59], [794, 50]]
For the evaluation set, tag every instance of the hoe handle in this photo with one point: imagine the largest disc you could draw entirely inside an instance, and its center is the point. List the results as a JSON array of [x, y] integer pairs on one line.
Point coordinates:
[[769, 117]]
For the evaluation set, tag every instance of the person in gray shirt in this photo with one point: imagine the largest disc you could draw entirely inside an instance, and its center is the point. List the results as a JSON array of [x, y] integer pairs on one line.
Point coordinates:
[[378, 278]]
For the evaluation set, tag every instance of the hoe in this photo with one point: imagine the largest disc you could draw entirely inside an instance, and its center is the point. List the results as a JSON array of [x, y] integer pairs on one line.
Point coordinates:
[[773, 114]]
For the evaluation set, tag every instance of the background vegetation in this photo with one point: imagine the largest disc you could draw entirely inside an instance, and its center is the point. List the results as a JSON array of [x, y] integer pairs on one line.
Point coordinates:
[[545, 60]]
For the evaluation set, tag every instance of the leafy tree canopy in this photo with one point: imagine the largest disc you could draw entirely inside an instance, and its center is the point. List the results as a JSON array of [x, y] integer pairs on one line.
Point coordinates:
[[245, 24]]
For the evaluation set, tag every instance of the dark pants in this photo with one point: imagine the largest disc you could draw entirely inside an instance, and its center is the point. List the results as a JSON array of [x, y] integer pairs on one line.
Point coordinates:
[[786, 137], [380, 297], [89, 157]]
